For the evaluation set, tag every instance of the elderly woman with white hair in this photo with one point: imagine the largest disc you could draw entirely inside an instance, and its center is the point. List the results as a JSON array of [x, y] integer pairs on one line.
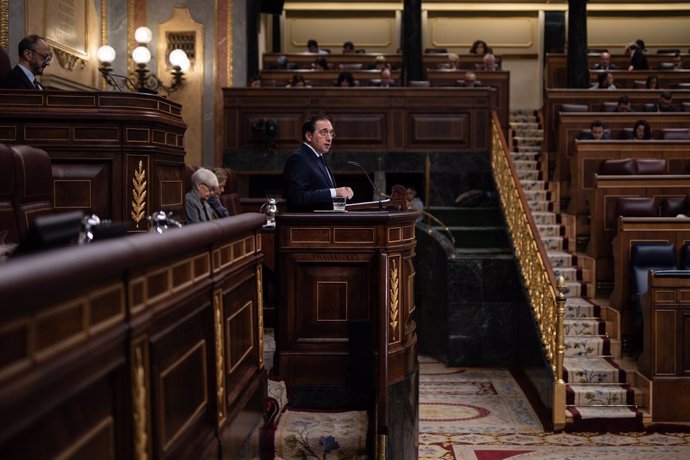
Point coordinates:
[[204, 182]]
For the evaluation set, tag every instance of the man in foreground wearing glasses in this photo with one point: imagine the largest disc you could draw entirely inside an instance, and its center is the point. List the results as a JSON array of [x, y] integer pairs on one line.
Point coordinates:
[[204, 183], [34, 57], [308, 183]]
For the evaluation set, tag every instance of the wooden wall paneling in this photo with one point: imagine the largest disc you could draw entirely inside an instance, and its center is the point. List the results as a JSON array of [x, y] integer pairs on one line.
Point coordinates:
[[368, 119], [88, 135]]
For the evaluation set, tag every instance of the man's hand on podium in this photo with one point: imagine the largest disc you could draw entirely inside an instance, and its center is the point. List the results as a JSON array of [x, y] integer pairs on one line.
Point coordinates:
[[344, 191]]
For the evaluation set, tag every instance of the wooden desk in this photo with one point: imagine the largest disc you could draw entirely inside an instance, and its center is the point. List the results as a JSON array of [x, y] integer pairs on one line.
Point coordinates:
[[590, 154], [594, 100], [665, 359], [102, 147], [499, 80], [434, 61], [346, 272], [325, 78], [305, 60], [146, 346], [571, 124], [556, 69], [604, 219], [637, 230], [624, 79]]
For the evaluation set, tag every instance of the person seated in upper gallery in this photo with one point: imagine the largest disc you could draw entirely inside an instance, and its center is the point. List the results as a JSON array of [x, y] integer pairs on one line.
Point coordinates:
[[623, 104], [642, 131], [386, 80], [470, 79], [380, 63], [204, 182], [219, 211], [254, 81], [320, 64], [280, 64], [652, 81], [480, 48], [604, 81], [677, 62], [313, 47], [664, 104], [638, 60], [346, 80], [453, 62], [596, 132], [297, 81], [348, 48], [604, 62], [34, 57], [488, 63]]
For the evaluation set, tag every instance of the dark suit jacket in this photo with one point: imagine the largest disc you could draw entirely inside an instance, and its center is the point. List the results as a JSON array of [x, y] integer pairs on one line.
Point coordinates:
[[639, 61], [16, 79], [611, 66], [305, 184]]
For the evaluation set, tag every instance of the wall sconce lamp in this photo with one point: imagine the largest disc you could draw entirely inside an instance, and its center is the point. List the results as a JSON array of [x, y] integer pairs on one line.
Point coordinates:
[[145, 81]]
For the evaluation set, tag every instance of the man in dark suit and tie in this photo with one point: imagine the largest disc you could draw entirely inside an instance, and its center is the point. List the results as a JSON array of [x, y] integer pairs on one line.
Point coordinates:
[[34, 57], [308, 183]]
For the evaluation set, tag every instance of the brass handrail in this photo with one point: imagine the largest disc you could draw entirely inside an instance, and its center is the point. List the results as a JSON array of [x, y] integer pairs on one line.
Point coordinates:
[[445, 228], [546, 293]]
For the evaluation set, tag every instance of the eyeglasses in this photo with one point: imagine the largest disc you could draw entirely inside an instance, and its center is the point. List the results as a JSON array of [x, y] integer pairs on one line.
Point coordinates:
[[46, 57], [211, 189], [327, 133]]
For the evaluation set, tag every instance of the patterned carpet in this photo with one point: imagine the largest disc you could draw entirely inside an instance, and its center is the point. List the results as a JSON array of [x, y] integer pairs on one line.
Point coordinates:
[[482, 414]]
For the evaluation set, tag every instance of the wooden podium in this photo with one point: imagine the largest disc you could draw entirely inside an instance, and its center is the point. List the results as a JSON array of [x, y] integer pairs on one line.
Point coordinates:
[[346, 290]]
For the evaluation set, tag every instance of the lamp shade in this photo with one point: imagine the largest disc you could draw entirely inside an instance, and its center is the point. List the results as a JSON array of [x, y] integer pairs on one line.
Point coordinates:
[[106, 54], [178, 57], [143, 35], [141, 55]]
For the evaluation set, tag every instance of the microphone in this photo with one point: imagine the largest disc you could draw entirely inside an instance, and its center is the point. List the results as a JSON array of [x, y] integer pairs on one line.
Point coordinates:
[[373, 185], [130, 83]]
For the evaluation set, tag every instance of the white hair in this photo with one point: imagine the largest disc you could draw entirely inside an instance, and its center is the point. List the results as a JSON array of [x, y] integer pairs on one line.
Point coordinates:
[[204, 176]]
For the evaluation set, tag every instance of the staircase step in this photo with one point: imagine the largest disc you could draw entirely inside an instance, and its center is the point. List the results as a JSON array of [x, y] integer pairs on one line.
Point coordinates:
[[599, 395], [544, 218], [524, 165], [584, 327], [549, 230], [592, 370], [525, 156], [569, 273], [560, 258], [554, 243], [587, 346], [528, 174], [534, 185]]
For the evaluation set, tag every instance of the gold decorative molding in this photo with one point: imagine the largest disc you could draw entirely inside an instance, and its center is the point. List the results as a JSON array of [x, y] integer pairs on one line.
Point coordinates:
[[260, 303], [220, 355], [139, 402], [104, 22], [230, 41], [5, 24], [394, 307], [68, 60], [139, 194]]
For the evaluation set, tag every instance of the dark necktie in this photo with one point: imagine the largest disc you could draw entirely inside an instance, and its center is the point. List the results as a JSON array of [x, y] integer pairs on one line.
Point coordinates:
[[37, 85], [326, 171]]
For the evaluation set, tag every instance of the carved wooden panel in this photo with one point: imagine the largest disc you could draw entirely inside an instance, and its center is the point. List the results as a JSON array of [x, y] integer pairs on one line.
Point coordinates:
[[85, 186]]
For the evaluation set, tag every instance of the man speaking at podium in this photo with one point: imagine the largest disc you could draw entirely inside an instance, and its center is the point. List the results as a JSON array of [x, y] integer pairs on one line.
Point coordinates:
[[308, 183]]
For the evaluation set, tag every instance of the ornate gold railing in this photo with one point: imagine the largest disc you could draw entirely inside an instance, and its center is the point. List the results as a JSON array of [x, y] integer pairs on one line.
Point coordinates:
[[545, 292]]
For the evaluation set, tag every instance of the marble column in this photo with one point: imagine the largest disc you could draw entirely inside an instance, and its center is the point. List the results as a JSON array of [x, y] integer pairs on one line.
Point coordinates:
[[578, 72], [412, 40]]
